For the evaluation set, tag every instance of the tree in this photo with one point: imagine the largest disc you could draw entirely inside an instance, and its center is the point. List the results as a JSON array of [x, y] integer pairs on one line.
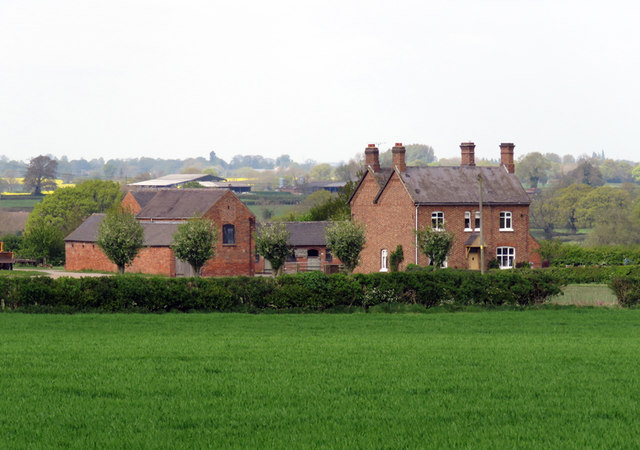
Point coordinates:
[[549, 249], [346, 240], [435, 244], [635, 173], [120, 236], [195, 242], [543, 212], [41, 174], [532, 169], [44, 243], [566, 202], [600, 203], [395, 258], [585, 173], [272, 243], [321, 172], [66, 208]]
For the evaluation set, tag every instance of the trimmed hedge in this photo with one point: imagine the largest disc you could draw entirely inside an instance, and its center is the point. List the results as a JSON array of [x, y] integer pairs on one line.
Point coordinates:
[[577, 255], [312, 291], [589, 274]]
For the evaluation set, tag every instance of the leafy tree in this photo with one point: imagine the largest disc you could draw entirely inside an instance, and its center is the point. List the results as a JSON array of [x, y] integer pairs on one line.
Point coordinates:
[[12, 242], [321, 172], [599, 203], [532, 169], [616, 171], [636, 173], [43, 243], [586, 173], [66, 208], [395, 258], [618, 227], [566, 202], [192, 185], [435, 245], [41, 174], [543, 212], [550, 249], [346, 240], [121, 237], [272, 243], [195, 242]]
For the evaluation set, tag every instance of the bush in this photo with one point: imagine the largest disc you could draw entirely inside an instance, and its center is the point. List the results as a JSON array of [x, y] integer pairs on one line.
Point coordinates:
[[312, 291], [627, 289]]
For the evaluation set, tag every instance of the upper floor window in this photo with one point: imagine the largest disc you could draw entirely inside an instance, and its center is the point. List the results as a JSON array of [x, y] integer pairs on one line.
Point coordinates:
[[437, 220], [506, 256], [384, 260], [506, 221], [477, 223], [228, 234], [467, 221]]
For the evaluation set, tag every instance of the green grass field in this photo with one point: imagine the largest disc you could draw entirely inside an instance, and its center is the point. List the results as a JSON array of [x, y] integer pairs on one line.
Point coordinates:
[[538, 378]]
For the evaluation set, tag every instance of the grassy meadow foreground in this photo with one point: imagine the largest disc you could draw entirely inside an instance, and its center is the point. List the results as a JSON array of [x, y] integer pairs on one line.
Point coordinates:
[[535, 378]]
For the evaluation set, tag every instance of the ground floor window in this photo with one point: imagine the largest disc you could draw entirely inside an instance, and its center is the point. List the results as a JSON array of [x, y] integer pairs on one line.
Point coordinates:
[[384, 260], [506, 256]]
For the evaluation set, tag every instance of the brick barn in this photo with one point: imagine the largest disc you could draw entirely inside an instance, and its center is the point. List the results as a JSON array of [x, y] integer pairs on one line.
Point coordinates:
[[309, 250], [393, 202], [160, 212]]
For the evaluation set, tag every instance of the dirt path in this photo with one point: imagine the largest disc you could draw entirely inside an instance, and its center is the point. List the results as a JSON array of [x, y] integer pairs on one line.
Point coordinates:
[[60, 273]]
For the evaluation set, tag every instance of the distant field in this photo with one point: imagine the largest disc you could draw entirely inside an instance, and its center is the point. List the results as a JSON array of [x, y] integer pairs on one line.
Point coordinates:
[[586, 295], [277, 210], [563, 235], [19, 203], [538, 378]]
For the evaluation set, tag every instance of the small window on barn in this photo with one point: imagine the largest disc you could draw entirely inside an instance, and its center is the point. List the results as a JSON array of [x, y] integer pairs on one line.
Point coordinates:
[[312, 253], [228, 234], [328, 256]]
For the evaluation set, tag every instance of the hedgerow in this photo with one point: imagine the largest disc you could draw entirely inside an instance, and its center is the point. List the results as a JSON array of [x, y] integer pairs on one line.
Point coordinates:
[[313, 291]]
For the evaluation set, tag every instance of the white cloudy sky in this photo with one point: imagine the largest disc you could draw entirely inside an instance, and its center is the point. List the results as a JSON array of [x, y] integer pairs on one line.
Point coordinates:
[[317, 79]]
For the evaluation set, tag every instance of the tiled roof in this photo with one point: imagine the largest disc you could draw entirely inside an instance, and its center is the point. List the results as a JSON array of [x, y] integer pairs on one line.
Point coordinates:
[[459, 185], [180, 203], [156, 234], [303, 234]]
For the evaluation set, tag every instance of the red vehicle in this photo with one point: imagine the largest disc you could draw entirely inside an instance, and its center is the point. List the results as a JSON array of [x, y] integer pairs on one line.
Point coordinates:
[[6, 258]]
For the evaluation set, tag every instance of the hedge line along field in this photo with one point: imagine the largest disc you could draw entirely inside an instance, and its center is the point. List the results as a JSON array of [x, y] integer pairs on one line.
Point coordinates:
[[533, 378]]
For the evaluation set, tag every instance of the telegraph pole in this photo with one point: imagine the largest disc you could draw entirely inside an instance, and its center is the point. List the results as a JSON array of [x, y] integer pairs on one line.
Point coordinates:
[[481, 226]]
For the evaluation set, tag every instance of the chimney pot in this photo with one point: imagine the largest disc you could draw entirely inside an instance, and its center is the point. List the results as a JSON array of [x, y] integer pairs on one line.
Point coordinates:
[[398, 153], [506, 156], [371, 159], [468, 154]]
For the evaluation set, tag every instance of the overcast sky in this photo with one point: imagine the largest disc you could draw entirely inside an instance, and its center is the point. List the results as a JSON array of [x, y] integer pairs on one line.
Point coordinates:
[[317, 79]]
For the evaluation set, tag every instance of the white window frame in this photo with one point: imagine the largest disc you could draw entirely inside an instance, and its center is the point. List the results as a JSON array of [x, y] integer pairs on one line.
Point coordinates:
[[506, 257], [477, 222], [437, 220], [506, 221], [467, 221], [384, 260]]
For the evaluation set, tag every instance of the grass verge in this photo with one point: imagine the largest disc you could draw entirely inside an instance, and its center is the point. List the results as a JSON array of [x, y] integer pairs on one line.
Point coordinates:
[[543, 378]]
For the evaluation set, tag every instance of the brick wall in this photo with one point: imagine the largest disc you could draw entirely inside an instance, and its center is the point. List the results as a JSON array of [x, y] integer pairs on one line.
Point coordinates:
[[89, 256], [238, 258], [129, 202]]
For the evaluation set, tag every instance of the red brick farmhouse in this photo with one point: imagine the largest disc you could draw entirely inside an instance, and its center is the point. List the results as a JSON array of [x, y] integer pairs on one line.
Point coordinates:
[[160, 212], [393, 202]]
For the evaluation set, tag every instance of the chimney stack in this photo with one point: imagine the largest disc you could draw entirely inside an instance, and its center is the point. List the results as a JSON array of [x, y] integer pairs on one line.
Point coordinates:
[[371, 157], [468, 154], [398, 152], [506, 156]]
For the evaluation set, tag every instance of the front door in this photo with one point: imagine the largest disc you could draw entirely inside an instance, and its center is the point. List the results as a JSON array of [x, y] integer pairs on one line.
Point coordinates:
[[473, 258]]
